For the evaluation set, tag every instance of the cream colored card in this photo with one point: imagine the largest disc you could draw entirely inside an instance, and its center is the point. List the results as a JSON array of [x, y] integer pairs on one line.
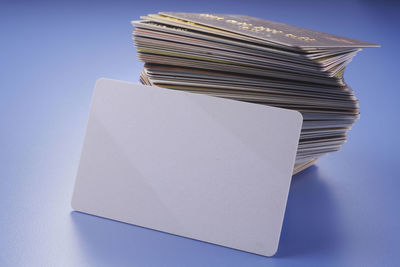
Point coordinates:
[[197, 166]]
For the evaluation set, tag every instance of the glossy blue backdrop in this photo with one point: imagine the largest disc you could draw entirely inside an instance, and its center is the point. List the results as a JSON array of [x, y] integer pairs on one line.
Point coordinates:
[[343, 212]]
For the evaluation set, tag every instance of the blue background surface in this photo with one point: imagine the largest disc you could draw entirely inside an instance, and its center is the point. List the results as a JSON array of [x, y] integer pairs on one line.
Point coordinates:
[[343, 212]]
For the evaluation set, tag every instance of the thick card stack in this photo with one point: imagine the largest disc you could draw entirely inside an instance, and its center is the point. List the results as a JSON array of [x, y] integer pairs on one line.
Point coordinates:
[[249, 59]]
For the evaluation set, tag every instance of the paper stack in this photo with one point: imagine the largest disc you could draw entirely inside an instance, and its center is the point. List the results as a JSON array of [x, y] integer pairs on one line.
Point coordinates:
[[259, 61]]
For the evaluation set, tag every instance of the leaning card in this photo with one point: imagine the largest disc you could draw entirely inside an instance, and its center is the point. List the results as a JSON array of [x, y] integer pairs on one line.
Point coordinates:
[[193, 165]]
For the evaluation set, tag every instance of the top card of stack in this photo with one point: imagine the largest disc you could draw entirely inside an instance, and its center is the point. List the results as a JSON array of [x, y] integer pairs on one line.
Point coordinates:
[[259, 61]]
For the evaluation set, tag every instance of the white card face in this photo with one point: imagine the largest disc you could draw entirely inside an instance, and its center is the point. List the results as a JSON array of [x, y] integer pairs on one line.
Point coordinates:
[[197, 166]]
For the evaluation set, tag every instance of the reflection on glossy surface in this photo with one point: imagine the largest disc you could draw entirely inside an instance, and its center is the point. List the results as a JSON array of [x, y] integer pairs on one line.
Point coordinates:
[[309, 228]]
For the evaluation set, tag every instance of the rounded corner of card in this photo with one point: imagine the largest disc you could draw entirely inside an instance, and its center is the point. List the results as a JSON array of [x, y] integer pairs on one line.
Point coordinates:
[[299, 116]]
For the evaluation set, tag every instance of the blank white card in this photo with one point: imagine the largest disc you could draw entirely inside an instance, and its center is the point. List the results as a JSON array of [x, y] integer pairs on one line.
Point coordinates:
[[197, 166]]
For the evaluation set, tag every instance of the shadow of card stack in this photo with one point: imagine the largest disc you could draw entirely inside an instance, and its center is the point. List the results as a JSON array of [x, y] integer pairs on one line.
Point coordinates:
[[259, 61]]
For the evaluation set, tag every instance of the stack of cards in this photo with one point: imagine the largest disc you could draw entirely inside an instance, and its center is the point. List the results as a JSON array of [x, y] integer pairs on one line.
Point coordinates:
[[249, 59]]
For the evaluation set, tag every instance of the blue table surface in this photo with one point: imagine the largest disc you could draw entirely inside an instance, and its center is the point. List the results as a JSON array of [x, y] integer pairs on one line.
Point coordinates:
[[342, 212]]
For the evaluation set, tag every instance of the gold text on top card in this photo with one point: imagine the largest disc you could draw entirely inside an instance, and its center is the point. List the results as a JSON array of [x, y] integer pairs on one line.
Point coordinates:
[[251, 27]]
